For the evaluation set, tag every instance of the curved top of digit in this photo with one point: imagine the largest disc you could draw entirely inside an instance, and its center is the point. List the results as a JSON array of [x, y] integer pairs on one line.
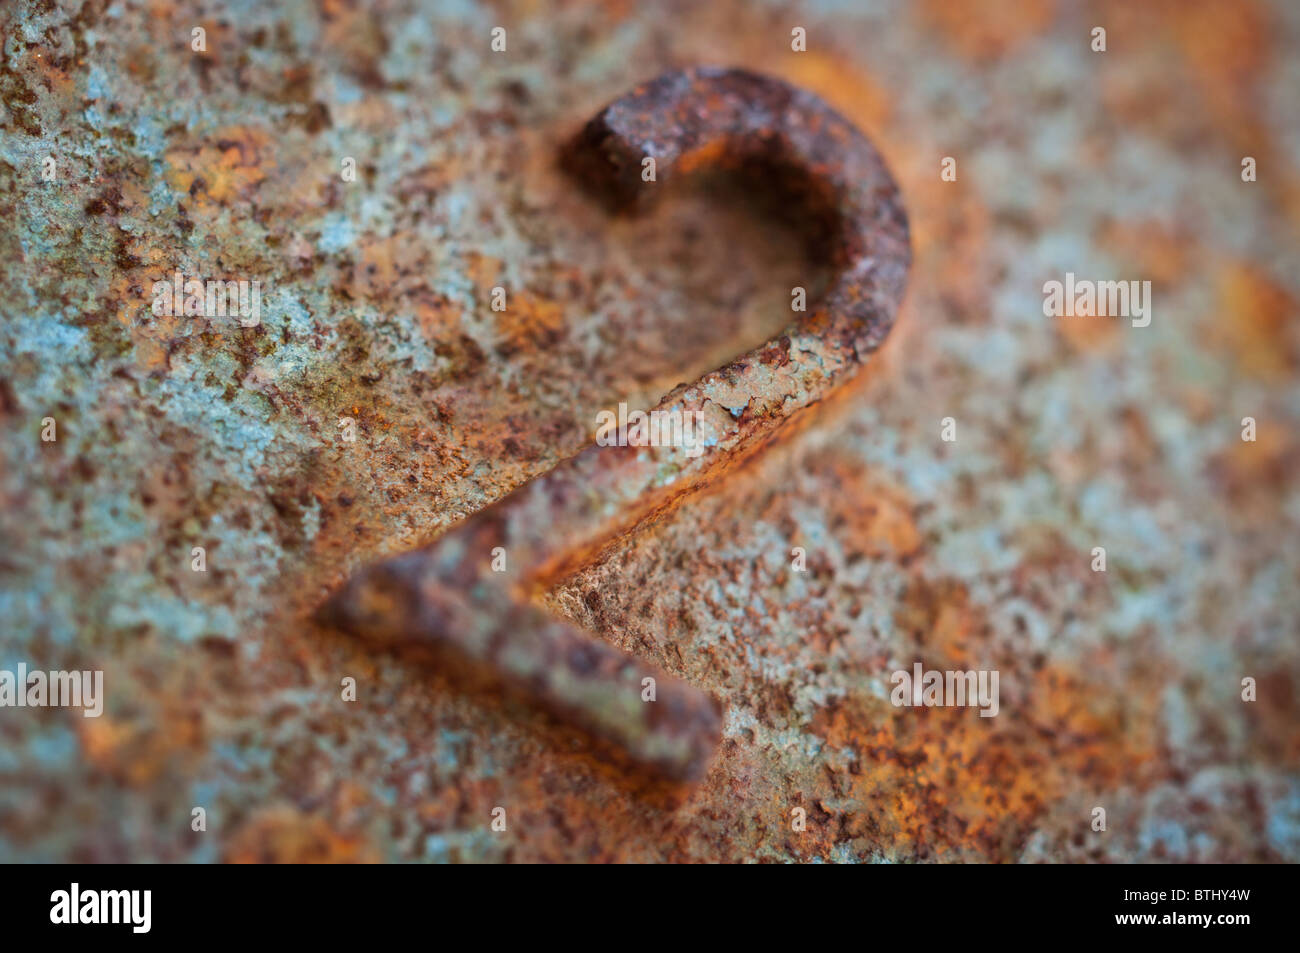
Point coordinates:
[[747, 121]]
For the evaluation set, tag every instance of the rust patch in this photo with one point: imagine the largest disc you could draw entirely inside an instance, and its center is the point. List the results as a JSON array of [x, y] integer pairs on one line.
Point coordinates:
[[283, 834], [1256, 319], [227, 166], [988, 31], [446, 599]]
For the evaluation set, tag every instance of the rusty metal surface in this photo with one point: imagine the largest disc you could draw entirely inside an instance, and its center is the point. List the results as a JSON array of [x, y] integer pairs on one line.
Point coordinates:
[[449, 597], [1119, 689]]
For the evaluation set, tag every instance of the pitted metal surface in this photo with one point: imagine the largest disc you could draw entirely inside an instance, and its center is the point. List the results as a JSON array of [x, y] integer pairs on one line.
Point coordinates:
[[450, 597], [1119, 689]]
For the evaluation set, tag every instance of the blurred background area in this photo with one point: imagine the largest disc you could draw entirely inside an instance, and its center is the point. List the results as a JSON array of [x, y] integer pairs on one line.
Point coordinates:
[[1119, 689]]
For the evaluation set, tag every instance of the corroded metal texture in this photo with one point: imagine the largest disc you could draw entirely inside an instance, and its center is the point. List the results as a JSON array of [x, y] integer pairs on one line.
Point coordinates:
[[450, 597], [1119, 689]]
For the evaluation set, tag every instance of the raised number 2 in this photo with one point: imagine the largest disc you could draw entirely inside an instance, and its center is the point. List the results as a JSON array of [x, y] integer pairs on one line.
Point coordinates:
[[481, 624]]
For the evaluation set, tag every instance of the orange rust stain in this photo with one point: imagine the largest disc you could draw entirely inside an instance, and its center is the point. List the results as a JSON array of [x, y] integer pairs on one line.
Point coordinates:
[[702, 157], [139, 751], [150, 351], [849, 89], [1259, 470], [1150, 249], [101, 738], [57, 80], [1255, 319], [353, 32], [1089, 332], [1198, 403], [619, 10], [869, 513], [1226, 47], [1228, 42], [377, 268], [945, 216], [131, 293], [987, 31], [229, 164], [284, 835], [529, 321], [1275, 716], [1288, 192], [484, 271], [390, 268], [1209, 53], [945, 780], [939, 619], [437, 319]]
